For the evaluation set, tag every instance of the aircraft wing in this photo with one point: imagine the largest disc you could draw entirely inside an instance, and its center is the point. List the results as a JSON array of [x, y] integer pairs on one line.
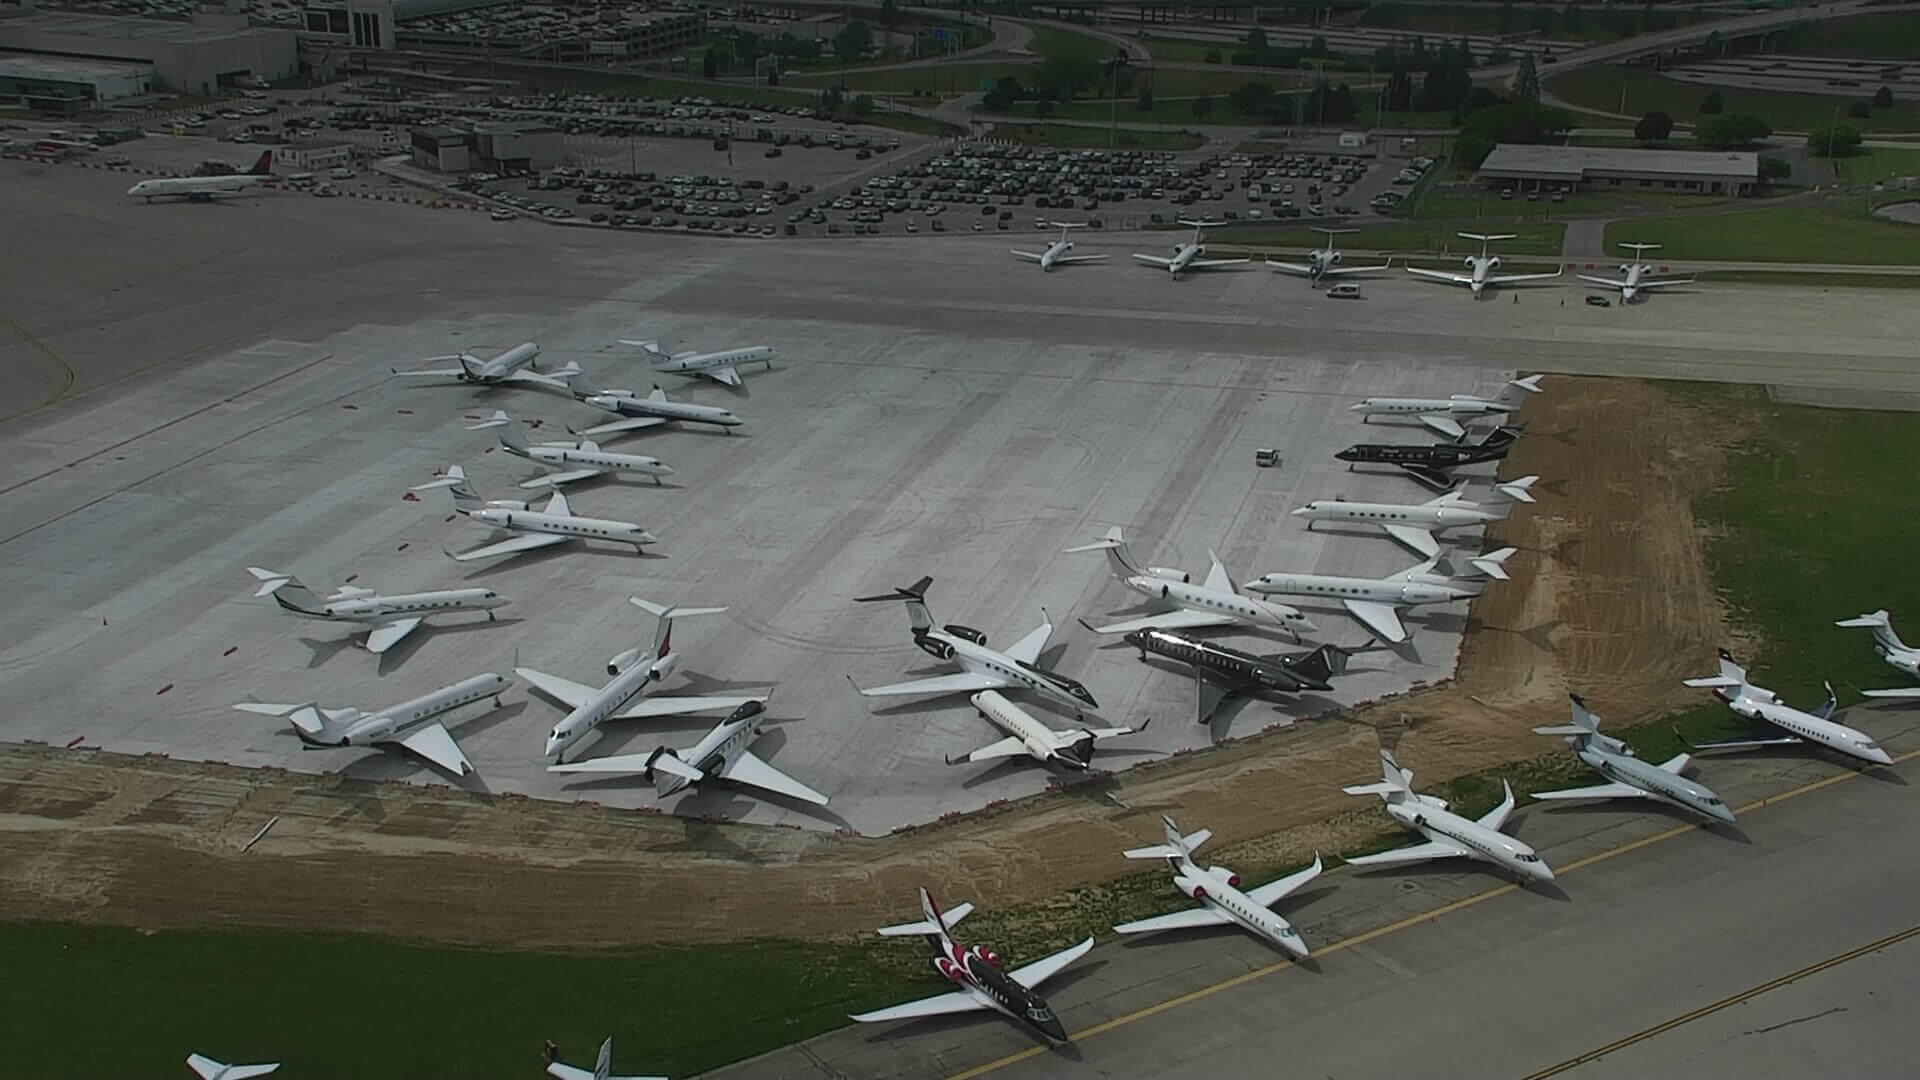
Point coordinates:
[[1209, 264], [966, 682], [1292, 268], [1338, 270], [754, 772], [209, 1069], [939, 1005], [1205, 915], [556, 479], [435, 743], [534, 378], [1608, 282], [1209, 690], [387, 635], [1420, 540], [1903, 692], [1665, 281], [1436, 478], [681, 706], [1040, 971], [563, 1071], [1080, 258], [565, 691], [1509, 279], [1005, 748], [1273, 891], [1743, 741], [725, 373], [1152, 260], [632, 423], [1432, 849], [1440, 275], [1380, 618], [1445, 425], [523, 542], [438, 373], [1166, 620], [1027, 649], [1028, 255], [1597, 791]]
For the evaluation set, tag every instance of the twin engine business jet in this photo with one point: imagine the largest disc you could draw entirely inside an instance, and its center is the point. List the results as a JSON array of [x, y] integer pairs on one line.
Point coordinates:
[[1220, 672], [1376, 601], [633, 672], [1902, 656], [722, 753], [976, 971], [721, 367], [1790, 726], [1057, 252], [575, 461], [1325, 263], [1218, 890], [1414, 525], [393, 617], [515, 367], [209, 1069], [1027, 735], [1187, 256], [1448, 834], [1433, 464], [1439, 414], [602, 1068], [1636, 273], [650, 411], [1480, 269], [1631, 777], [204, 188], [552, 524], [328, 728], [981, 668], [1215, 602]]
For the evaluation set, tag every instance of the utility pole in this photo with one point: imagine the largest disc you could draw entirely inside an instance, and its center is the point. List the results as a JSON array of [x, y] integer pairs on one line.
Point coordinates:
[[1113, 97]]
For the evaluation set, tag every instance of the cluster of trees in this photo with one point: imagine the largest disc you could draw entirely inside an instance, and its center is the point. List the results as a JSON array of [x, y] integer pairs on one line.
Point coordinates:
[[1731, 131], [1835, 140], [1422, 80], [1060, 78], [1507, 121]]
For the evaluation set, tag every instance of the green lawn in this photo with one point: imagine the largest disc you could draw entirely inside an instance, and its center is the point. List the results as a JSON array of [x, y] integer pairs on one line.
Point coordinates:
[[1539, 239], [1598, 87], [1879, 36], [1485, 203], [1807, 279], [1186, 50], [1050, 41], [941, 79], [1874, 163], [1179, 111], [1080, 138], [1446, 22], [1786, 234]]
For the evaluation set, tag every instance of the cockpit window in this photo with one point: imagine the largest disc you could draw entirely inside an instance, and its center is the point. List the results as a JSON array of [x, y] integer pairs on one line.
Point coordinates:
[[1039, 1014], [1869, 744], [1526, 857], [1711, 801]]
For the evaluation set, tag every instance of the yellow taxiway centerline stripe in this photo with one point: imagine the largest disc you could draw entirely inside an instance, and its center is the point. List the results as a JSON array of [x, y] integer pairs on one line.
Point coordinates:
[[1412, 920]]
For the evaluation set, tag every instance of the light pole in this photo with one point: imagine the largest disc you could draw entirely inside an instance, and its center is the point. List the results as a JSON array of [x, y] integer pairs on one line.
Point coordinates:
[[1113, 97]]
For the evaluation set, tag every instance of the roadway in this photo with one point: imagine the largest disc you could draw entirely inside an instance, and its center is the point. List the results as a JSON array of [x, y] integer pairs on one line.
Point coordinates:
[[1784, 946]]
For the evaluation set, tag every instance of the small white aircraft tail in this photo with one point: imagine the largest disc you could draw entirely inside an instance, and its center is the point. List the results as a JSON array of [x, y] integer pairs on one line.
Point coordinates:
[[1176, 847], [210, 1069], [1732, 676], [285, 588], [1119, 556], [1395, 785], [602, 1067], [662, 645], [655, 354], [510, 432], [1515, 490], [1878, 621], [935, 922], [455, 480], [1516, 391], [915, 596], [1493, 564]]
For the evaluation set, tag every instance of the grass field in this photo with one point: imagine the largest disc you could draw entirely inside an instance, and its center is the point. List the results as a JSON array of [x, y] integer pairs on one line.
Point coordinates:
[[1486, 204], [1051, 41], [1541, 240], [1080, 138], [1447, 22], [1598, 87], [1876, 163], [1786, 234], [1179, 110], [1806, 279], [1879, 36]]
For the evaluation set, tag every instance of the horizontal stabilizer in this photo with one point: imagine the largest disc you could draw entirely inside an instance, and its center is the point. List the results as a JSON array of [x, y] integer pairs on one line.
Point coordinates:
[[1494, 563], [1713, 681], [951, 917], [1517, 490], [272, 580], [210, 1069]]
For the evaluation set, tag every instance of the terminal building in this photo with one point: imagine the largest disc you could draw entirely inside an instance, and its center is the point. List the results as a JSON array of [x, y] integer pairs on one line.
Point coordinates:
[[503, 147], [70, 56], [1606, 168]]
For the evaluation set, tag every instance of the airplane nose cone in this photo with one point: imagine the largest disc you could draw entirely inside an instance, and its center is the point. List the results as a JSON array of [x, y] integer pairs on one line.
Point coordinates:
[[1302, 512], [1879, 756], [664, 470], [1305, 624], [646, 537], [1541, 871], [1362, 407], [1721, 814]]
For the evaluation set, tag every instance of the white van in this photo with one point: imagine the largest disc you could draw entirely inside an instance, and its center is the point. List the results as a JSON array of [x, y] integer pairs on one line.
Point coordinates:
[[1347, 291], [340, 172]]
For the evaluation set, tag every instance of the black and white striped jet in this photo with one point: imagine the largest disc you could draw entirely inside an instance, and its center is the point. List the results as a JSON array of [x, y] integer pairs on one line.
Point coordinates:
[[1220, 672]]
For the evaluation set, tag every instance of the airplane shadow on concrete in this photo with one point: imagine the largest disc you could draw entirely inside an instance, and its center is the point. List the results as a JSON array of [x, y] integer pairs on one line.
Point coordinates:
[[699, 684], [715, 799], [391, 660], [574, 548], [1540, 636], [931, 1025], [1634, 808], [1456, 867]]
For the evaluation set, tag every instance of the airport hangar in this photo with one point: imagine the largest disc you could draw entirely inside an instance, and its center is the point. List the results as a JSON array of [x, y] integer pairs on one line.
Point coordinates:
[[1694, 172], [71, 54]]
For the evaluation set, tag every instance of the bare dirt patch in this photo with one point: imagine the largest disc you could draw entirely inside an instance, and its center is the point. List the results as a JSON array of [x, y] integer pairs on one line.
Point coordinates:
[[1610, 596]]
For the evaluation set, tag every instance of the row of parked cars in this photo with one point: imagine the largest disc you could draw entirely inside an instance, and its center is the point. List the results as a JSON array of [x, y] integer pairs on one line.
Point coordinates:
[[616, 198]]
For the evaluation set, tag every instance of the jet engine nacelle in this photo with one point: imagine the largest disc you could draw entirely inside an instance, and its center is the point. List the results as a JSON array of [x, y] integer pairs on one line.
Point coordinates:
[[934, 647], [622, 661], [1227, 876], [981, 952], [1626, 268], [1192, 888], [949, 970], [1334, 258], [966, 633], [1169, 574], [1493, 263], [663, 667], [1467, 262]]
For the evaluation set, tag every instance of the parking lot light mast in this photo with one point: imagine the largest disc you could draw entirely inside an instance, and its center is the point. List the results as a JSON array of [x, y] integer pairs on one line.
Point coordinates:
[[1113, 96]]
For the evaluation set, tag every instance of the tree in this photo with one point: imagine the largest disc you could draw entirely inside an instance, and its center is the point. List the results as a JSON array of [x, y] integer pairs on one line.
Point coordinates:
[[1773, 168], [1145, 101], [1212, 56], [1859, 110], [830, 100], [1730, 131], [1883, 98], [1463, 52], [1203, 107], [1399, 97], [1066, 76], [1317, 47], [1498, 55], [1514, 122], [1653, 127], [1505, 26], [1526, 81], [853, 41], [710, 63], [1003, 95], [1543, 21], [1249, 98], [1257, 40], [1573, 20], [862, 105], [1711, 105], [1839, 140], [1043, 107]]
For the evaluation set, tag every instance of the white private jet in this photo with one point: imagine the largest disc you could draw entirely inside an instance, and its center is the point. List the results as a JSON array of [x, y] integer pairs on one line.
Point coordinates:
[[1636, 275], [209, 1069], [1480, 268], [1438, 414], [1218, 890], [554, 523], [1902, 656], [976, 971], [330, 728], [602, 1068], [393, 617], [1631, 778], [650, 411], [1215, 602], [575, 461], [515, 367], [1376, 601], [720, 754], [1027, 735], [721, 367], [981, 668], [204, 188], [633, 672], [1448, 835], [1325, 263], [1415, 524], [1187, 256], [1792, 725], [1057, 252]]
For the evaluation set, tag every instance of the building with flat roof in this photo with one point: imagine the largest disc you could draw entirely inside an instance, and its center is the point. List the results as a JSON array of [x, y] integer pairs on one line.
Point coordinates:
[[60, 84], [200, 57], [1602, 168]]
